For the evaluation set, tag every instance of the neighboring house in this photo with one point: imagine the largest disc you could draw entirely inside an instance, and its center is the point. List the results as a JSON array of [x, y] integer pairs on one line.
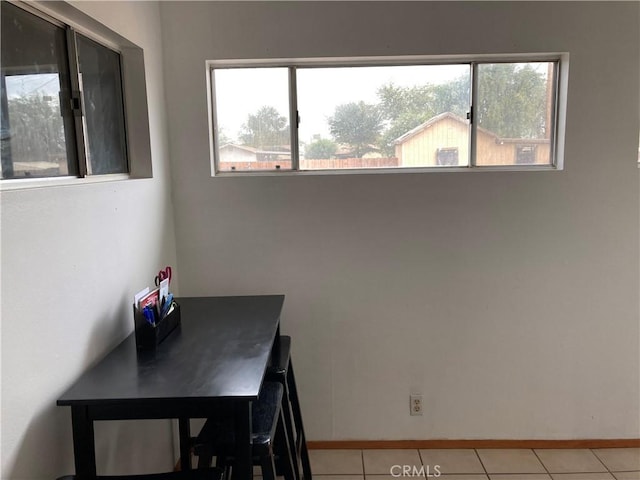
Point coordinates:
[[243, 158], [444, 140], [40, 169], [237, 153], [242, 153]]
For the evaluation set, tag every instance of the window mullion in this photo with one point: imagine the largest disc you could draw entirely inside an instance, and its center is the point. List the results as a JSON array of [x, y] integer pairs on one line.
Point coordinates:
[[76, 102], [215, 141], [473, 114], [553, 123], [7, 161], [294, 119]]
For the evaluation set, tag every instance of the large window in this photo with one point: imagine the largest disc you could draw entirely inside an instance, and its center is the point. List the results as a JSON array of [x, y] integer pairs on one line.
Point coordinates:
[[367, 115], [62, 100]]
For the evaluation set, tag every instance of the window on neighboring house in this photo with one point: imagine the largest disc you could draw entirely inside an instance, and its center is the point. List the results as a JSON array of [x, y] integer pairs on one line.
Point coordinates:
[[62, 100], [525, 154], [371, 114], [447, 157]]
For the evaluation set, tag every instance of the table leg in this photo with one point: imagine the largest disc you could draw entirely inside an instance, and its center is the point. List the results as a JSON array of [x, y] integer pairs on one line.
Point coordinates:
[[184, 429], [84, 449], [244, 464]]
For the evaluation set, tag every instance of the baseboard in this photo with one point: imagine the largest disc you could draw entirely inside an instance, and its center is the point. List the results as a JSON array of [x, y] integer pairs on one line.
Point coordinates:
[[446, 443]]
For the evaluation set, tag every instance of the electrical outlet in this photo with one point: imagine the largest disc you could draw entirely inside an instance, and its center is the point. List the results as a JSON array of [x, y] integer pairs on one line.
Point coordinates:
[[415, 404]]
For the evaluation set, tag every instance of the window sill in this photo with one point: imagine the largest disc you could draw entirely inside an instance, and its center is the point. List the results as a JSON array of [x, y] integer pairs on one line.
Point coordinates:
[[30, 183], [289, 173]]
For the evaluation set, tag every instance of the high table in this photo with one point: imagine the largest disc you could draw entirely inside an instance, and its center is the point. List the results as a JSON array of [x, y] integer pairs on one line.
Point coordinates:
[[216, 359]]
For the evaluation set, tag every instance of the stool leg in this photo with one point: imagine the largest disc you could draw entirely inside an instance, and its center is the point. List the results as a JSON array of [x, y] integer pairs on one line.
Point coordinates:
[[268, 467], [301, 440], [205, 457], [284, 450], [289, 428]]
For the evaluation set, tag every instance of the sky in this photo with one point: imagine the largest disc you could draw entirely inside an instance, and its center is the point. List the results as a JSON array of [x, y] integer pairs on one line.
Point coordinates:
[[25, 85], [240, 92]]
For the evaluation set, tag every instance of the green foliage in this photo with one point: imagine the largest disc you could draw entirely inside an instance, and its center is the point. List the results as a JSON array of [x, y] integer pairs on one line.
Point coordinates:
[[320, 149], [36, 129], [404, 108], [511, 100], [265, 129], [223, 138], [356, 124], [397, 102], [452, 97]]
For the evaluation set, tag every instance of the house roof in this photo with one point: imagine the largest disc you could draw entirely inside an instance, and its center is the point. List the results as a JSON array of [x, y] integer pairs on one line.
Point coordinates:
[[258, 151], [433, 120], [239, 147]]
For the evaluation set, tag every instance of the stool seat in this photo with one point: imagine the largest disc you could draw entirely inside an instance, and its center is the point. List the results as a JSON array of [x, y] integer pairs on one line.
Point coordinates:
[[264, 414], [282, 371], [200, 474], [281, 364], [217, 437]]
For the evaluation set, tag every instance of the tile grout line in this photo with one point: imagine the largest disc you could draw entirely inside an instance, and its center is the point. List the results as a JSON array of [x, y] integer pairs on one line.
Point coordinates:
[[421, 460], [421, 463], [603, 464], [542, 463], [608, 471], [481, 463]]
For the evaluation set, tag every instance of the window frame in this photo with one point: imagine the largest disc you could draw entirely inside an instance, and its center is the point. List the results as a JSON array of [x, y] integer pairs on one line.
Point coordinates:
[[137, 145], [560, 62]]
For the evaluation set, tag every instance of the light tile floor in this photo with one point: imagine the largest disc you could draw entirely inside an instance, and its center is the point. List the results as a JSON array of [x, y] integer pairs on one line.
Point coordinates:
[[479, 464]]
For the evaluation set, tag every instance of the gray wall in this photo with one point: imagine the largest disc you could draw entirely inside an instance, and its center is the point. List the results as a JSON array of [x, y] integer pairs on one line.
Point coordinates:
[[510, 300], [72, 258]]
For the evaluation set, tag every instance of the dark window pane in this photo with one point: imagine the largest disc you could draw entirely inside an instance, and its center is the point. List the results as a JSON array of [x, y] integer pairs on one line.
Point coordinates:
[[447, 157], [101, 86], [526, 154], [37, 126]]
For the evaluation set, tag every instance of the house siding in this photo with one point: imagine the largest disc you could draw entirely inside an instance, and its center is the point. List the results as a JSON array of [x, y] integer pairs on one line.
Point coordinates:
[[420, 150]]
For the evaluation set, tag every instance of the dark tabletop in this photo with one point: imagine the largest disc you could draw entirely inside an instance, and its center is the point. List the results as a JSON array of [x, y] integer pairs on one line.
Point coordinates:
[[220, 351]]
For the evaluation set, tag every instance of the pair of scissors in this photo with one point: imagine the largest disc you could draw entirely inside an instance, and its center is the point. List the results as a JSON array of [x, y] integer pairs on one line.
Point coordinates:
[[163, 275]]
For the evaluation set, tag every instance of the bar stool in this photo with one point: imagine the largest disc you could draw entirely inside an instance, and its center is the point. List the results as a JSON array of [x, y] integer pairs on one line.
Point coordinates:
[[200, 474], [269, 440], [282, 372]]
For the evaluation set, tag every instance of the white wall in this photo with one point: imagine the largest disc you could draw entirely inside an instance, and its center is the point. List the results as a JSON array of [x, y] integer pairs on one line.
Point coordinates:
[[72, 258], [510, 300]]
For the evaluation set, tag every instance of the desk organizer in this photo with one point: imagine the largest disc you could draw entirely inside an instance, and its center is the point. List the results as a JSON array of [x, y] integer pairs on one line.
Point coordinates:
[[149, 336]]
